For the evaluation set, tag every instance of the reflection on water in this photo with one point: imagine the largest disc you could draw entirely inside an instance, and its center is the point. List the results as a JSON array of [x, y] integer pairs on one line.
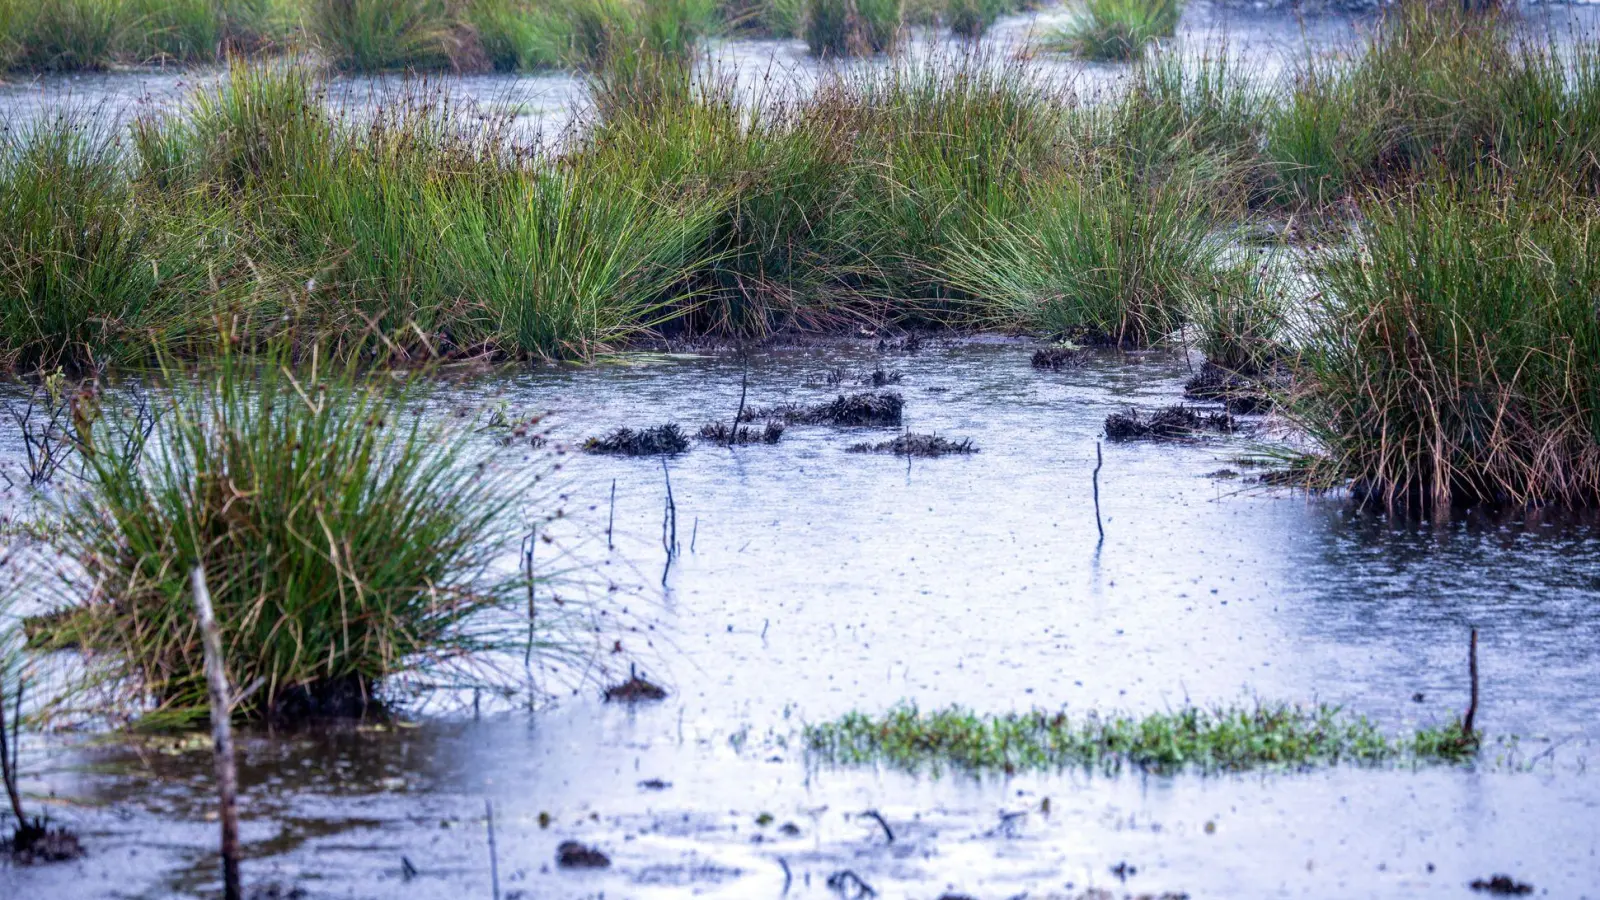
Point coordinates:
[[821, 581]]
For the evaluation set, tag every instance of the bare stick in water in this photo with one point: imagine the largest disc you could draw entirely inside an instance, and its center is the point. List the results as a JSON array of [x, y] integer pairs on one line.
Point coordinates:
[[611, 519], [669, 525], [874, 814], [8, 759], [494, 858], [527, 568], [1098, 461], [744, 384], [221, 735], [1467, 730]]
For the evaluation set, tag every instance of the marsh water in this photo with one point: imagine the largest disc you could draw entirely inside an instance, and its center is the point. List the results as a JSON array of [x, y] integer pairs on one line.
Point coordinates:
[[549, 105], [814, 581]]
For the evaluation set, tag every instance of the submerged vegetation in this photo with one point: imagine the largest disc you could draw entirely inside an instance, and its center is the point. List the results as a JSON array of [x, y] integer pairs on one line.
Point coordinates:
[[1221, 739]]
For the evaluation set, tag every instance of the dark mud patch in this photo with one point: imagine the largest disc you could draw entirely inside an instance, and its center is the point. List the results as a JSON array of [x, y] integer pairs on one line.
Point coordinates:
[[634, 690], [723, 433], [868, 409], [35, 843], [1173, 423], [1246, 392], [1055, 359], [347, 697], [661, 440], [1502, 886], [921, 445], [573, 855]]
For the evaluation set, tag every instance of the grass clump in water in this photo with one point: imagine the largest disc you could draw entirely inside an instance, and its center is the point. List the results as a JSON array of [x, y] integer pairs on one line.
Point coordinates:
[[883, 409], [375, 35], [1437, 90], [1116, 30], [923, 445], [344, 542], [971, 18], [85, 274], [1455, 357], [64, 35], [1171, 423], [1101, 257], [661, 440], [723, 433], [835, 28], [1220, 739]]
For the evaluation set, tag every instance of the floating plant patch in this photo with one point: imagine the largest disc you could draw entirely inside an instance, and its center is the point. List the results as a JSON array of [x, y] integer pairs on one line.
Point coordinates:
[[1222, 738], [1174, 423], [916, 445], [657, 441]]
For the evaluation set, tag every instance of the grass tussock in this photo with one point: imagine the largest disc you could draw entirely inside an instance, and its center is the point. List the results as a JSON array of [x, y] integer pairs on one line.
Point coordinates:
[[837, 28], [1220, 739], [1116, 30], [90, 35], [1455, 356], [1436, 90], [344, 542]]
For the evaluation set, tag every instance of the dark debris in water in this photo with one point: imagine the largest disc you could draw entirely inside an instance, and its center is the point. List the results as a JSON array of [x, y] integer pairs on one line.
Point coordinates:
[[1057, 358], [719, 432], [1244, 393], [924, 445], [848, 884], [634, 690], [1502, 886], [34, 843], [1173, 423], [911, 343], [275, 891], [573, 855], [657, 441], [876, 378], [881, 409]]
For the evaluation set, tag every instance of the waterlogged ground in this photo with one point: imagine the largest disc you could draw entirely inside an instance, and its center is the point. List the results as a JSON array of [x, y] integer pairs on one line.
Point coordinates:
[[547, 105], [815, 582]]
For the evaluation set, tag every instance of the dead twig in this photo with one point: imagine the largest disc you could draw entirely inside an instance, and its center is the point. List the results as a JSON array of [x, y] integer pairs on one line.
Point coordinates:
[[221, 735]]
